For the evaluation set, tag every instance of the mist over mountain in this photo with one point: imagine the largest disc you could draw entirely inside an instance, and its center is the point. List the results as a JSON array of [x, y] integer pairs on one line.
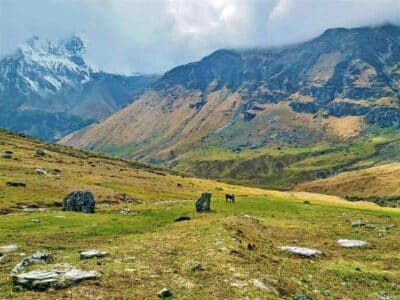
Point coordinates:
[[47, 90]]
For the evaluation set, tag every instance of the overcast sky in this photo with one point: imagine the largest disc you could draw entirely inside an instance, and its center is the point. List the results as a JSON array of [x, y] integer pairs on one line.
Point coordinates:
[[152, 36]]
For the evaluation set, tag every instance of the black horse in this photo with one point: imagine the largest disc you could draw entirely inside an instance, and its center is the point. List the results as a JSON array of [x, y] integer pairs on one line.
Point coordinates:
[[230, 198]]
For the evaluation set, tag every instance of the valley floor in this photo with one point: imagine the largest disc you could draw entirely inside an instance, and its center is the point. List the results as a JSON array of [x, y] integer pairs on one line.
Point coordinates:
[[230, 253]]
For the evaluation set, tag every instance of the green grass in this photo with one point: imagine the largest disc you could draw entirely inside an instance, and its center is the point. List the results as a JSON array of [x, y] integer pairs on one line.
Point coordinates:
[[148, 250]]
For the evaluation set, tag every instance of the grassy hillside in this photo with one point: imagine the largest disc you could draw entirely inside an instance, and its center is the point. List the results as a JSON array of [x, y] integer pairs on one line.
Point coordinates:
[[283, 166], [378, 184], [149, 251]]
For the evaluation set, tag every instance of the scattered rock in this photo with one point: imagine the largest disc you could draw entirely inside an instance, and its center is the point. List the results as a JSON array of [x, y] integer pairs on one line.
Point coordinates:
[[16, 184], [164, 293], [358, 223], [351, 243], [179, 185], [41, 172], [198, 268], [125, 211], [7, 156], [81, 201], [92, 254], [34, 221], [251, 246], [55, 278], [40, 152], [301, 297], [8, 152], [307, 202], [203, 203], [260, 284], [9, 248], [306, 252], [381, 233], [38, 257], [182, 218], [218, 242]]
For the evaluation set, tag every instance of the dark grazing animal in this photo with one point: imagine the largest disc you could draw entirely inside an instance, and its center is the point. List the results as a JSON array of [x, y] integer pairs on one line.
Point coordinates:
[[230, 198]]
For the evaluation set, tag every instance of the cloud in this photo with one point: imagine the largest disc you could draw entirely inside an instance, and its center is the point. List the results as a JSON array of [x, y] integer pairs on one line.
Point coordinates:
[[154, 35]]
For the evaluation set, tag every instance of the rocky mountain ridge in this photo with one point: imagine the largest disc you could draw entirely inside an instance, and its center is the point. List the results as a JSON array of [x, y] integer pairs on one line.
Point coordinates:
[[331, 88]]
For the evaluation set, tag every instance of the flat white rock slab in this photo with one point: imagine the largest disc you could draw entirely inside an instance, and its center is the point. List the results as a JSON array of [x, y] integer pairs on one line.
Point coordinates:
[[92, 254], [306, 252], [352, 243], [55, 278], [8, 248]]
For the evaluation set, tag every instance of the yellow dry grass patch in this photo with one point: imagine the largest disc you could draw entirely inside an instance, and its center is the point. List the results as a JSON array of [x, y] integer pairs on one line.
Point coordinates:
[[344, 128], [378, 181]]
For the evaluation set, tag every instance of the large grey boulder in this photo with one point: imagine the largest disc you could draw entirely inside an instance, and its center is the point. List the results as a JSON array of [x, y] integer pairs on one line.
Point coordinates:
[[81, 201], [57, 278], [203, 203]]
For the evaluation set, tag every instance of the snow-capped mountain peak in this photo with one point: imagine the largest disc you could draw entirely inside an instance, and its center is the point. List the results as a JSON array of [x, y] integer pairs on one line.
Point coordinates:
[[42, 67]]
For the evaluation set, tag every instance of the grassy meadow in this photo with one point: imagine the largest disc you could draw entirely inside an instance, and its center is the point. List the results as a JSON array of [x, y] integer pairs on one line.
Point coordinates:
[[229, 253]]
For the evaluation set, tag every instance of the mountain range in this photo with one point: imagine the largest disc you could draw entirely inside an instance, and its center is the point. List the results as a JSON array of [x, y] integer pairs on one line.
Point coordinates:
[[47, 90], [247, 115]]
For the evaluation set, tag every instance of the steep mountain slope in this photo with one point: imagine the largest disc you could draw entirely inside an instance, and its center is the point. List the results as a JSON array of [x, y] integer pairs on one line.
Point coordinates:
[[333, 88], [47, 90]]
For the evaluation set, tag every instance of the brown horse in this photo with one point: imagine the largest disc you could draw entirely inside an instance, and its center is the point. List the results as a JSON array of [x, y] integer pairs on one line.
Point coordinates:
[[230, 198]]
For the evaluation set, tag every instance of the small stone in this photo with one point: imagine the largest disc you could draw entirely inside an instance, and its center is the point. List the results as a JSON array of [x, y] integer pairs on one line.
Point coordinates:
[[301, 297], [381, 233], [9, 248], [182, 218], [306, 252], [92, 254], [16, 184], [358, 223], [351, 243], [218, 242], [251, 246], [198, 268], [164, 293], [125, 211], [34, 221], [326, 293], [41, 172], [40, 152]]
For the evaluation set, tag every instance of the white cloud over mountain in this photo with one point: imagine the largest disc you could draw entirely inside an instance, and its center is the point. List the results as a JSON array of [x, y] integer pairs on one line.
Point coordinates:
[[154, 35]]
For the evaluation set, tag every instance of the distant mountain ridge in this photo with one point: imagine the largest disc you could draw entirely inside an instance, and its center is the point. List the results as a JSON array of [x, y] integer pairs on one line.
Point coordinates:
[[47, 90]]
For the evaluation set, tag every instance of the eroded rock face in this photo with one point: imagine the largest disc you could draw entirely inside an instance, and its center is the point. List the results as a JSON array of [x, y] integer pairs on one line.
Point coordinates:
[[55, 278], [203, 203], [306, 252], [81, 201]]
